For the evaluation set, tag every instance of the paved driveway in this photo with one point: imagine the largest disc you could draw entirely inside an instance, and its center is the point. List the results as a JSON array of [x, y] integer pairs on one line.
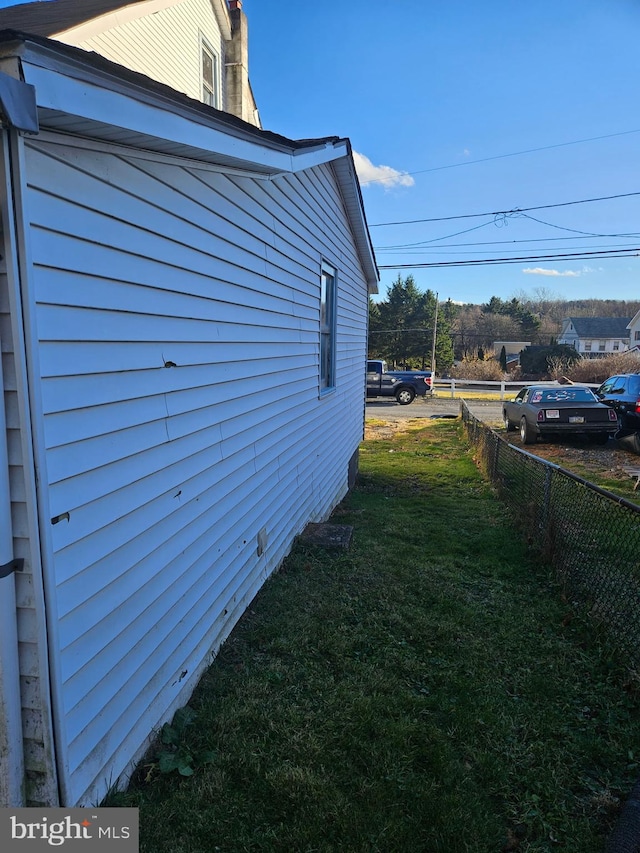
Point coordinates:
[[489, 412]]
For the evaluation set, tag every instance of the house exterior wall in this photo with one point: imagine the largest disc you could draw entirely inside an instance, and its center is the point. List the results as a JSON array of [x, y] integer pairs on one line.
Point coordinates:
[[568, 335], [165, 46], [177, 314], [594, 346], [634, 331], [591, 347]]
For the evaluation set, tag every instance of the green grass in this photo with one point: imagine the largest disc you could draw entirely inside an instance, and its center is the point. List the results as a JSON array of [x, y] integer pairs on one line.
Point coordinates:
[[424, 691]]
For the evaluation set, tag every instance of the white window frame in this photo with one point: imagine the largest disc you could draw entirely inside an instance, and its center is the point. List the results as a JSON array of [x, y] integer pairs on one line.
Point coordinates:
[[327, 350], [210, 92]]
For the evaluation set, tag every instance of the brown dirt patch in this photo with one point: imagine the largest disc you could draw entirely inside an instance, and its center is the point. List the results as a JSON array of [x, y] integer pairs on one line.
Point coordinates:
[[375, 430], [585, 460]]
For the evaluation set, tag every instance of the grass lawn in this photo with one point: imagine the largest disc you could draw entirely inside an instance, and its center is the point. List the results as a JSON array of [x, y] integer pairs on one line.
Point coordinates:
[[426, 690]]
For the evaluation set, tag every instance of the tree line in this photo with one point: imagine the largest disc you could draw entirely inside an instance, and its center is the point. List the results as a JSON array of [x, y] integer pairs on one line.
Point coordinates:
[[402, 326]]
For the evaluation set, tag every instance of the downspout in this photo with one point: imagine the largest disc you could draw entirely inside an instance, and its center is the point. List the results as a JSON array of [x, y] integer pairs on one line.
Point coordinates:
[[12, 788], [18, 113], [17, 107]]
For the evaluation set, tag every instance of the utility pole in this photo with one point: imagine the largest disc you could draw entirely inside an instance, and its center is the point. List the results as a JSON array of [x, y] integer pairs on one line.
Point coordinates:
[[433, 347]]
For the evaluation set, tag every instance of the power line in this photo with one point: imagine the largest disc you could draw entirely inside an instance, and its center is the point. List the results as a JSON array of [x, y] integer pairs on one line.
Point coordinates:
[[502, 156], [490, 242], [504, 221], [427, 244], [507, 212], [436, 251], [622, 253]]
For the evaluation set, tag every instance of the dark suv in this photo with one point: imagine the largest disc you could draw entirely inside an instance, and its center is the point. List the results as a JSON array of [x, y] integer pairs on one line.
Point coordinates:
[[623, 394]]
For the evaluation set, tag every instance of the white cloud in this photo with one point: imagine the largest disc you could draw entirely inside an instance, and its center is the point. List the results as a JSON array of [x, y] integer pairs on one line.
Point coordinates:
[[384, 175], [466, 152], [541, 271]]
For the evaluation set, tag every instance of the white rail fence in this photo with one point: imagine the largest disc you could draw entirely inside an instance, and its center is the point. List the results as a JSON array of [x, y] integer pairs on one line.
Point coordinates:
[[478, 387]]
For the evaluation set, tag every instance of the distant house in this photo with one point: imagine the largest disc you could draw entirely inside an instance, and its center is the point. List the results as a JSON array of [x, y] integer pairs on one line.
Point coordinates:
[[596, 336], [510, 347], [634, 332], [512, 351], [183, 325], [198, 47]]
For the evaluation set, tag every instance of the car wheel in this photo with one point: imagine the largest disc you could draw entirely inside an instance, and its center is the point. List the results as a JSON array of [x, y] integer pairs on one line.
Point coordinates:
[[527, 434], [405, 396], [508, 425]]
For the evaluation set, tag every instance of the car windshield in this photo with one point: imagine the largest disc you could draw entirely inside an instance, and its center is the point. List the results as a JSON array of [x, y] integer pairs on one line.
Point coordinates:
[[563, 395]]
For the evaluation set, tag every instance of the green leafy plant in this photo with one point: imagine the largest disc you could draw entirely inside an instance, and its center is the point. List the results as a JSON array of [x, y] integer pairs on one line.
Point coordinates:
[[176, 752]]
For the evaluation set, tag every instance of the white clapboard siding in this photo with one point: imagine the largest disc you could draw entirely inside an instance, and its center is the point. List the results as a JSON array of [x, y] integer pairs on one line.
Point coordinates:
[[178, 323], [164, 45]]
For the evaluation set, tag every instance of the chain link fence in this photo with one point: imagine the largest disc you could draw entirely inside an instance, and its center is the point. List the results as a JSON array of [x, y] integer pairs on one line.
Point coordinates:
[[590, 536]]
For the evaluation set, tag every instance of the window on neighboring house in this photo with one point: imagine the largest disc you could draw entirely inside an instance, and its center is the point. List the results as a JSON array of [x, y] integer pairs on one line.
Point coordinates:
[[616, 346], [602, 346], [636, 335], [327, 327], [210, 74], [587, 346]]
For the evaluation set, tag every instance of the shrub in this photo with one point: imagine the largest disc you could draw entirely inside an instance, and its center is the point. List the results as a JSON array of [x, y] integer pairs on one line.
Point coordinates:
[[473, 368], [596, 370], [539, 360]]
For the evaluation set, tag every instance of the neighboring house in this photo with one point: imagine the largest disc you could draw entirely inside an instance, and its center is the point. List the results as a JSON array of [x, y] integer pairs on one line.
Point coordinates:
[[596, 336], [183, 324], [512, 351], [634, 332], [198, 47], [510, 347]]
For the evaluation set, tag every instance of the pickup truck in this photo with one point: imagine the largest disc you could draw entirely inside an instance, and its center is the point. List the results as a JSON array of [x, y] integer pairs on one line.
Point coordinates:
[[401, 384]]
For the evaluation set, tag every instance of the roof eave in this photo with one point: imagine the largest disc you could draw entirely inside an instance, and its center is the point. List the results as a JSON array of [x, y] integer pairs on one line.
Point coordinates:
[[83, 94], [345, 172], [85, 91]]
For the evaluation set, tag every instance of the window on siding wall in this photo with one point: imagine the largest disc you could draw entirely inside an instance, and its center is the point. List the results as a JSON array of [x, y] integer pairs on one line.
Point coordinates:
[[210, 72], [327, 327]]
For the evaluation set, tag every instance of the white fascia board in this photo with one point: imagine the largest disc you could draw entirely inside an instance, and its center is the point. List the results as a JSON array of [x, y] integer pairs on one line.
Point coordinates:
[[345, 172], [149, 117], [324, 152], [221, 11]]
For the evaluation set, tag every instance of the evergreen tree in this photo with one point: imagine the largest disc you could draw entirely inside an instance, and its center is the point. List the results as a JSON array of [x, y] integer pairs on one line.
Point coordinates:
[[374, 330], [401, 327], [503, 359]]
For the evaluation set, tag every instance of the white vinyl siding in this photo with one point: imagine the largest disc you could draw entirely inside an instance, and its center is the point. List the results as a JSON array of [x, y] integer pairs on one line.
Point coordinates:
[[165, 45], [162, 476]]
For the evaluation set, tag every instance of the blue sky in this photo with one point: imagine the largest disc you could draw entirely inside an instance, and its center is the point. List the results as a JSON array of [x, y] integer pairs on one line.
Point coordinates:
[[425, 90]]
